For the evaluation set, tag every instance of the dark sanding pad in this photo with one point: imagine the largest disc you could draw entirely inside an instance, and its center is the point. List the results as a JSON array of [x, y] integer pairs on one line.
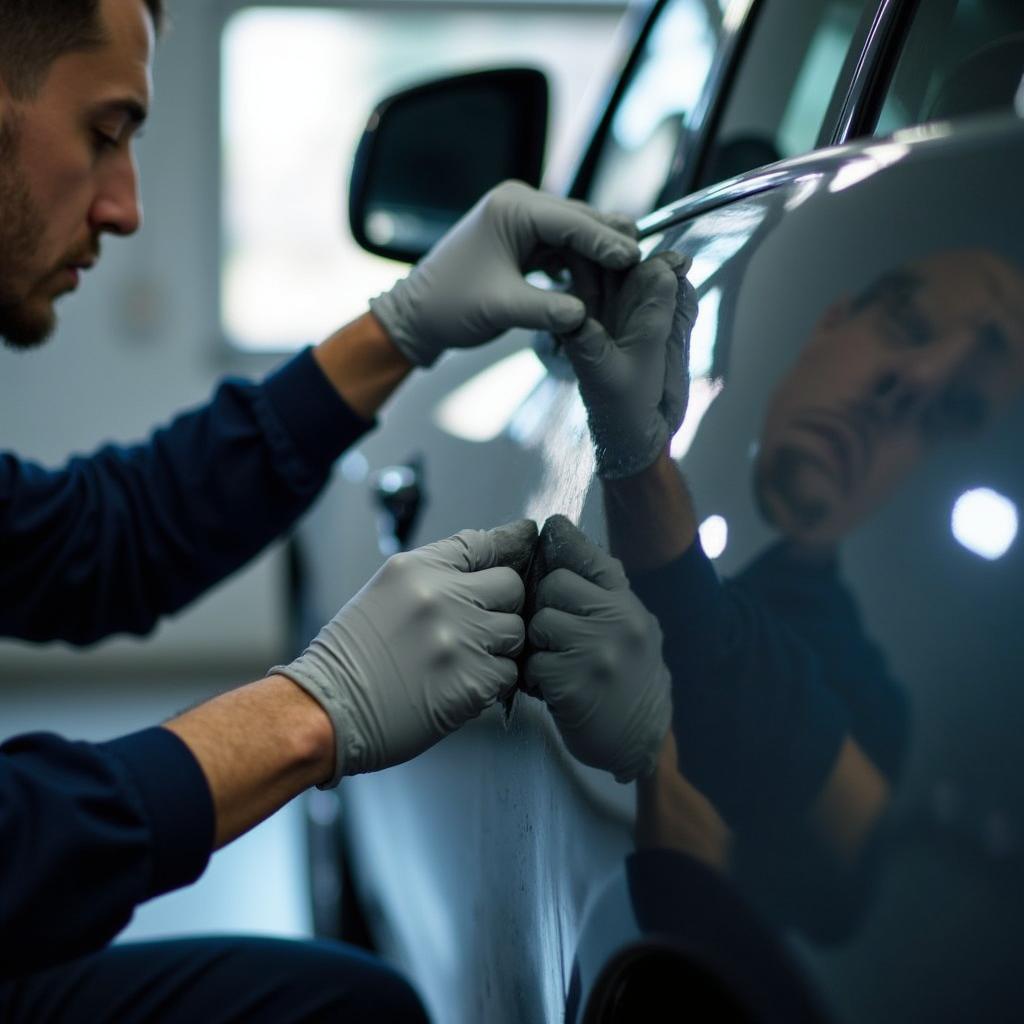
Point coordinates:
[[558, 532]]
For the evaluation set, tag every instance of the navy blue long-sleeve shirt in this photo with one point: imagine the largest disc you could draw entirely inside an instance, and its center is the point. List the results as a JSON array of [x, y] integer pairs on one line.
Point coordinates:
[[757, 731], [770, 671], [109, 544]]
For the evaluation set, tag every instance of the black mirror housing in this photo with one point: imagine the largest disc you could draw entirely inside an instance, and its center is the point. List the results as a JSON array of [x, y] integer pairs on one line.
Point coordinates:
[[430, 152]]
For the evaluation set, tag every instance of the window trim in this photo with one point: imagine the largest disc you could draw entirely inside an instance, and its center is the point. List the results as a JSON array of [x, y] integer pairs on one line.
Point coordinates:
[[875, 65]]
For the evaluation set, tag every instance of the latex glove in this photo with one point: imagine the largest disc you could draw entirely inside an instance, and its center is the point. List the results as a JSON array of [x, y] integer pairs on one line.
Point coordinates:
[[596, 657], [425, 646], [470, 287], [631, 358]]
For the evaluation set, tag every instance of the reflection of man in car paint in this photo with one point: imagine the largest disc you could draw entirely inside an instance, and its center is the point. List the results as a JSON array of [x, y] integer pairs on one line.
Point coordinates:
[[785, 715], [789, 732], [777, 659], [929, 352]]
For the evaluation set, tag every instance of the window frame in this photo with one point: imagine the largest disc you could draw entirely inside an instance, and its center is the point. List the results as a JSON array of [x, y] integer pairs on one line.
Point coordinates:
[[871, 59], [860, 92], [705, 112], [869, 74], [870, 87], [870, 47]]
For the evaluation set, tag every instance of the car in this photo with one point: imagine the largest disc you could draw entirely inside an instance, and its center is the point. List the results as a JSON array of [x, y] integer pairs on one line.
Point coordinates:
[[846, 176]]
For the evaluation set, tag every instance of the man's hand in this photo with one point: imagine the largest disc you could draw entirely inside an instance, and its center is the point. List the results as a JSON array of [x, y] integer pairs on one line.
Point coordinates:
[[470, 287], [425, 646], [631, 357], [596, 657]]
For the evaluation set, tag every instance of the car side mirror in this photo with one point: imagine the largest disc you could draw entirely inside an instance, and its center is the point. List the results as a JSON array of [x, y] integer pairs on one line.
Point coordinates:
[[430, 152]]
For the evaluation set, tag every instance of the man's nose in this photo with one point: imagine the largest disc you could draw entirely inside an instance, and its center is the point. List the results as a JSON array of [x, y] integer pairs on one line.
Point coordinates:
[[117, 209]]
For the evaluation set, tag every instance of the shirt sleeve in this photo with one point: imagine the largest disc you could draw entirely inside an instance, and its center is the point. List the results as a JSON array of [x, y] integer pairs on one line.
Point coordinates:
[[788, 875], [113, 541], [756, 727], [816, 604], [89, 831], [771, 669]]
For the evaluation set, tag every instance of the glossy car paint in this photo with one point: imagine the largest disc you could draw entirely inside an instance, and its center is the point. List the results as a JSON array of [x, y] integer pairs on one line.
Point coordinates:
[[479, 860]]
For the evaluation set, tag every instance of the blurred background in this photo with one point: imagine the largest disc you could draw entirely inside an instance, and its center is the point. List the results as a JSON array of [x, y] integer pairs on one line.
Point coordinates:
[[245, 256]]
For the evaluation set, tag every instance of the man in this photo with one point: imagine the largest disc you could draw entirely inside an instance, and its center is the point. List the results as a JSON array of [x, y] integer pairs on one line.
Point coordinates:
[[930, 352], [788, 730], [760, 745], [113, 542]]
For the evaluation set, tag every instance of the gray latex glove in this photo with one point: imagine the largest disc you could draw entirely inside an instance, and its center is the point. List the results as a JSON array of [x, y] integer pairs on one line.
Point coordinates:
[[596, 657], [425, 646], [631, 358], [470, 287]]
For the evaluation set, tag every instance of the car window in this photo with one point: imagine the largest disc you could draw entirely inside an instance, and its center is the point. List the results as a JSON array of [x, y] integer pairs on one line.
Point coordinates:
[[961, 57], [648, 126], [785, 82]]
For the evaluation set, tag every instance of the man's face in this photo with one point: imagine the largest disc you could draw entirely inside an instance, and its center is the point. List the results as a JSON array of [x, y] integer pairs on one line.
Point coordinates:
[[930, 352], [67, 171]]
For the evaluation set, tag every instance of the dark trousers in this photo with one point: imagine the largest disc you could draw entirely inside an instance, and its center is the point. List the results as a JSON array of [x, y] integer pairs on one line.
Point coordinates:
[[215, 981]]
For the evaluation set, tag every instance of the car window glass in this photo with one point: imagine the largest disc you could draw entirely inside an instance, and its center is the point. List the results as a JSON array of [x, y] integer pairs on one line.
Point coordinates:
[[648, 125], [785, 82], [962, 57]]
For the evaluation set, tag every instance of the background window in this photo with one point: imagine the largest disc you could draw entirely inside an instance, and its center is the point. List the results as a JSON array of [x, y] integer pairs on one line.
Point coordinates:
[[297, 87], [648, 127], [785, 83], [961, 58]]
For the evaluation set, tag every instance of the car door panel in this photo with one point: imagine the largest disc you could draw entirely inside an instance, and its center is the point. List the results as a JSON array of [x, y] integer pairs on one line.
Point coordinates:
[[944, 204], [482, 855]]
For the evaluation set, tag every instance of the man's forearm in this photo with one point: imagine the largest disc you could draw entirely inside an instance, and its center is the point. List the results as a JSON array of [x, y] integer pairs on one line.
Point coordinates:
[[362, 364], [850, 804], [258, 746], [651, 522], [672, 814], [650, 516]]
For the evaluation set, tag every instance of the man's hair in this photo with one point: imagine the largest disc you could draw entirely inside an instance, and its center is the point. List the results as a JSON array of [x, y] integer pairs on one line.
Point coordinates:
[[34, 33]]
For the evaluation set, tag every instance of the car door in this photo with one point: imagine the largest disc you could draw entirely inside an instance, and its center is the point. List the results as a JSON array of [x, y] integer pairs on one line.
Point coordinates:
[[480, 859], [852, 450], [474, 863]]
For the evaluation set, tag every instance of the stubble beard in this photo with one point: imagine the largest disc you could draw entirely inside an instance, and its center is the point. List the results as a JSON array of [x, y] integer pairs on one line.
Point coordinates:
[[22, 325]]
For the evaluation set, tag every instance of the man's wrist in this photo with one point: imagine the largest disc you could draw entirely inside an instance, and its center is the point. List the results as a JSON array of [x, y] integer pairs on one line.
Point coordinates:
[[258, 746], [363, 364], [651, 476], [673, 814], [312, 734]]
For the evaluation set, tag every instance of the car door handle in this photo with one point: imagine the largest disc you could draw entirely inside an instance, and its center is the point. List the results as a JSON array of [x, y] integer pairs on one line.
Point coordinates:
[[399, 493]]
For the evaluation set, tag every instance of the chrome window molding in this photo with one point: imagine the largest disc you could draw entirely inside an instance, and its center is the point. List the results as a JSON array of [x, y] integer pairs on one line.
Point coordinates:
[[873, 70]]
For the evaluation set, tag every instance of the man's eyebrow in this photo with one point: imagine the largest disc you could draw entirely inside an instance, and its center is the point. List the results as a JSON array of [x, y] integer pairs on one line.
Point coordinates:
[[894, 286]]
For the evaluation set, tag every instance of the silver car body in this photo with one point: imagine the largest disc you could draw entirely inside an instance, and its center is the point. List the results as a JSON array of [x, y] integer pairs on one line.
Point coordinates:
[[490, 865]]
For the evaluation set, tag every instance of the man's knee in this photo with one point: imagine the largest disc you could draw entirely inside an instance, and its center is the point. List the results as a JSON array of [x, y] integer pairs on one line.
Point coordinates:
[[327, 981]]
